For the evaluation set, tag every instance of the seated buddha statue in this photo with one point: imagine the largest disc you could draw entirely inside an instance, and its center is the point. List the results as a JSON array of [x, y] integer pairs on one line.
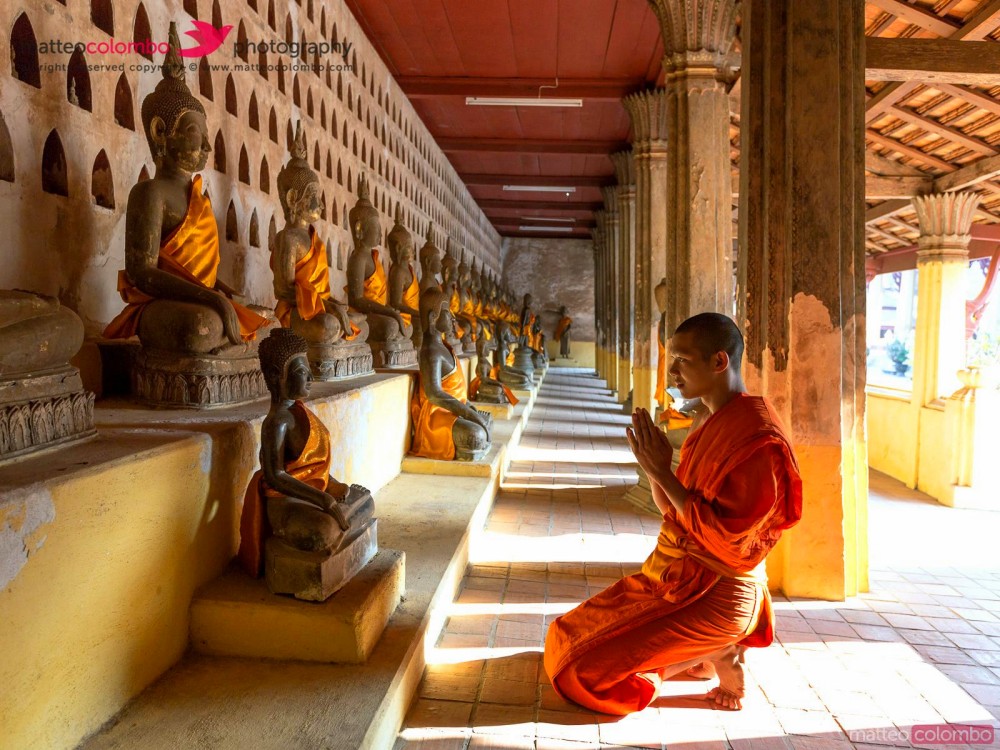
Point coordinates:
[[445, 426], [42, 399], [563, 332], [295, 515], [404, 286], [175, 299], [299, 262], [466, 306], [430, 264], [175, 302], [449, 285], [523, 354], [485, 388], [368, 288], [501, 370], [539, 358]]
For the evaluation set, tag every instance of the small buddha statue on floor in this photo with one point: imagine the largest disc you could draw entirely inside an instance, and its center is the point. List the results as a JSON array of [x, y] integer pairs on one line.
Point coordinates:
[[523, 354], [368, 288], [42, 399], [404, 286], [562, 332], [336, 337], [430, 265], [196, 343], [305, 531], [445, 426]]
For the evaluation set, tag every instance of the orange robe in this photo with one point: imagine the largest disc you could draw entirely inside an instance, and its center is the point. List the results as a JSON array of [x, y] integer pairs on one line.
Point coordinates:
[[562, 326], [190, 251], [377, 285], [312, 466], [704, 585], [474, 388], [432, 424], [661, 374], [455, 307], [469, 314], [411, 297], [312, 286]]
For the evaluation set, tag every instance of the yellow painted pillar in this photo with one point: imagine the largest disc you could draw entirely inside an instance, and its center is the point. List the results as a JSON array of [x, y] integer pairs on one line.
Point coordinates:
[[611, 239], [625, 172], [942, 260]]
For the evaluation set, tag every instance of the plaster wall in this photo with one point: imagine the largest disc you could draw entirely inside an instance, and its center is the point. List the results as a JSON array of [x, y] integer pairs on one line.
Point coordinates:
[[103, 544], [892, 435], [356, 120], [555, 272]]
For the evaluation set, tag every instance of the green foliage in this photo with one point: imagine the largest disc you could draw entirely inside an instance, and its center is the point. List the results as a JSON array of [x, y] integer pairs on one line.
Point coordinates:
[[897, 351]]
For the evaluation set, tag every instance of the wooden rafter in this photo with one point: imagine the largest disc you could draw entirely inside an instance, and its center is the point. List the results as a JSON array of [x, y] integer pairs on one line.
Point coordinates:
[[918, 16], [932, 60]]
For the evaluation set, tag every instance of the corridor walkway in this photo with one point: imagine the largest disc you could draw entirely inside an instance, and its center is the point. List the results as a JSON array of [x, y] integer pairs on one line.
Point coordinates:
[[922, 648]]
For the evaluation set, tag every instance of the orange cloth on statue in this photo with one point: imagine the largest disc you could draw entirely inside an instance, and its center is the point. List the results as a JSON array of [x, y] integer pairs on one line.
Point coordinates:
[[661, 374], [191, 252], [432, 424], [455, 307], [312, 286], [564, 323], [377, 285], [744, 490], [411, 297], [312, 466]]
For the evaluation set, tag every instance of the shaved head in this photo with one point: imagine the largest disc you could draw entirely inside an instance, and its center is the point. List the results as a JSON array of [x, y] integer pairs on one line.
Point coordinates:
[[714, 332]]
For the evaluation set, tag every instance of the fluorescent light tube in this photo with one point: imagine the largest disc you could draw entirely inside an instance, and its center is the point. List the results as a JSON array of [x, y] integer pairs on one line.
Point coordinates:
[[539, 188], [549, 219], [542, 229], [521, 101]]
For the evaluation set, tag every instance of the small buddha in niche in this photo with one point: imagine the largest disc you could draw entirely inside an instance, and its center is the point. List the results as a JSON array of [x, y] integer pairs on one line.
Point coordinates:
[[404, 286], [295, 515], [175, 300], [445, 426], [368, 288], [302, 274]]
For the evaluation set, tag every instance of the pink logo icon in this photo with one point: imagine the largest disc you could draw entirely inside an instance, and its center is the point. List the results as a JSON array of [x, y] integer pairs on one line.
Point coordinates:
[[208, 37]]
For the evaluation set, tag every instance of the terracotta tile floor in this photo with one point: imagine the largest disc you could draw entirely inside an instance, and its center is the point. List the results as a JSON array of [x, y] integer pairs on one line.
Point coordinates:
[[923, 647]]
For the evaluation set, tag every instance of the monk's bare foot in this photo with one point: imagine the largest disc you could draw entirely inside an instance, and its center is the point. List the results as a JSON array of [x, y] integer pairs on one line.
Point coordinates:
[[728, 664], [703, 671]]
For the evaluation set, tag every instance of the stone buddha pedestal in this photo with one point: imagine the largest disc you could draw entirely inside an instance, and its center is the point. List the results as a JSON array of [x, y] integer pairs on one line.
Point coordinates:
[[197, 346], [42, 400], [337, 338], [368, 288], [307, 533]]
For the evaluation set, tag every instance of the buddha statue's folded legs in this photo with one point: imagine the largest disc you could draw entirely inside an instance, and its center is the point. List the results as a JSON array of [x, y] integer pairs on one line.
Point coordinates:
[[304, 526]]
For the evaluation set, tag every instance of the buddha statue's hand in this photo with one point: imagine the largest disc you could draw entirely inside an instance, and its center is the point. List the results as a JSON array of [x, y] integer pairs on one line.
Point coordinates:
[[332, 506], [230, 323]]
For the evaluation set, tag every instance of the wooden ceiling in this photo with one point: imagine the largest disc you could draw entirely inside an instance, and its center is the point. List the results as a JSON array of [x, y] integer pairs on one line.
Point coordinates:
[[920, 136]]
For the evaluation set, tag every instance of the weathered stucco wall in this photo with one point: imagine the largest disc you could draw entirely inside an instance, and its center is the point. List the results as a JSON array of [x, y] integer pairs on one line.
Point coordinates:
[[555, 272], [355, 118]]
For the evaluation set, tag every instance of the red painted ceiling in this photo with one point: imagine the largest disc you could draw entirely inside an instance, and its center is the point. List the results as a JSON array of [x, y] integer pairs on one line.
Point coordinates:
[[441, 51]]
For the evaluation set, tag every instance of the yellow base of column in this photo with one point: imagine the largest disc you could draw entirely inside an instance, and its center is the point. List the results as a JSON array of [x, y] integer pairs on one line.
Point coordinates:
[[643, 388]]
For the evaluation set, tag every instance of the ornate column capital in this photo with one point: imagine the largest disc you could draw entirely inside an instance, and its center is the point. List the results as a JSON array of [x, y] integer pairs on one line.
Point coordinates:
[[697, 34], [945, 225], [624, 163], [648, 112]]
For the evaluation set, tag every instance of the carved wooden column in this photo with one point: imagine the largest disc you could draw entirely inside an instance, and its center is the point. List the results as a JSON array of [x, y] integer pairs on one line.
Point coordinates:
[[802, 271], [625, 172], [648, 112], [697, 36], [612, 242], [942, 260], [601, 294]]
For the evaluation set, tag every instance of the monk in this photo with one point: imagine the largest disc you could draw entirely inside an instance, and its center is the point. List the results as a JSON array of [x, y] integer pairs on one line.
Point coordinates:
[[702, 594]]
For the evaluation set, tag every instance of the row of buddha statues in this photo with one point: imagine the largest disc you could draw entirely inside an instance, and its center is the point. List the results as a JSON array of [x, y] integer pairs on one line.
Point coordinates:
[[197, 346]]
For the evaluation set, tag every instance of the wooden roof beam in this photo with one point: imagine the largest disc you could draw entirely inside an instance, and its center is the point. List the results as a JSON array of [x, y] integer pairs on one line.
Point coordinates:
[[945, 131], [529, 145], [932, 60], [970, 96], [607, 89], [475, 178], [917, 15], [982, 21]]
